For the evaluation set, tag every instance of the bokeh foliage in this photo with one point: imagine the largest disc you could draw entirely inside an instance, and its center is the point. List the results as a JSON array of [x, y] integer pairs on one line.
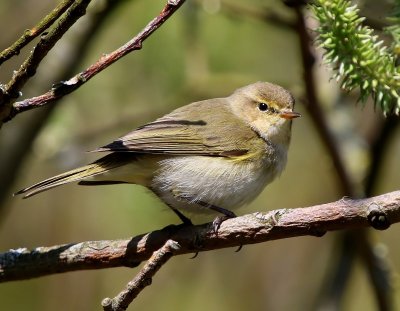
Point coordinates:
[[203, 51]]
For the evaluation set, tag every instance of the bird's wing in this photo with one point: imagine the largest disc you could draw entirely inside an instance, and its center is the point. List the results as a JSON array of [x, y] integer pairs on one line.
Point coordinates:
[[178, 134]]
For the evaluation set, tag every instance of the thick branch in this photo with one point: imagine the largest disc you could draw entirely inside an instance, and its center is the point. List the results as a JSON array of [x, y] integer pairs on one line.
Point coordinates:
[[379, 212], [63, 88]]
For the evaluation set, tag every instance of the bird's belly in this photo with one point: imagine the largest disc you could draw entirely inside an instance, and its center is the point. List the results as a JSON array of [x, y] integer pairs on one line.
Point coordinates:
[[213, 180]]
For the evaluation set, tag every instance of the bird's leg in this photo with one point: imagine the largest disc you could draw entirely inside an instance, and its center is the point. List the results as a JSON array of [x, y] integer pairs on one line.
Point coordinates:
[[226, 214], [220, 219], [185, 220]]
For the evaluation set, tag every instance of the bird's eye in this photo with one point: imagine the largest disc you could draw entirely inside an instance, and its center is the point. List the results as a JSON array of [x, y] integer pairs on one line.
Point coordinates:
[[263, 106]]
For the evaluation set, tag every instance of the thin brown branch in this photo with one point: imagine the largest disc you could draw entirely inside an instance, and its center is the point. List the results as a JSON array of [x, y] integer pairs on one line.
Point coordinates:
[[379, 212], [35, 31], [142, 279], [63, 88], [14, 152], [28, 69]]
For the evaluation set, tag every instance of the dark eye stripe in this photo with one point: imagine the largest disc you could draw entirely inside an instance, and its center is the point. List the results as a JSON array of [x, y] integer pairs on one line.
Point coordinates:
[[273, 110], [265, 107]]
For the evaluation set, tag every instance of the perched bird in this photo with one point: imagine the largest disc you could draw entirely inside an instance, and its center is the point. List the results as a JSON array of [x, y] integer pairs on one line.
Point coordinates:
[[216, 154]]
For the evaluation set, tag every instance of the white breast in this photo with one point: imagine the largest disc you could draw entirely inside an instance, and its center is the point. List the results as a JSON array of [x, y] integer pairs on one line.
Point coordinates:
[[214, 180]]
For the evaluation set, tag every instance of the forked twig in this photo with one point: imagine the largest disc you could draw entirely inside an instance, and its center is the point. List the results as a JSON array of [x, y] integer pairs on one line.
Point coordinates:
[[35, 31], [65, 87], [142, 279]]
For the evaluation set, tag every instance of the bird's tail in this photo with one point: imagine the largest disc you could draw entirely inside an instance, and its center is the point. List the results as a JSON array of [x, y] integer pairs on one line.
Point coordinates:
[[101, 166]]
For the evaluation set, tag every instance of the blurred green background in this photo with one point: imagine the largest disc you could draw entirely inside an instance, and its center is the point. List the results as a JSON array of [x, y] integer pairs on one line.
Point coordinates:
[[203, 51]]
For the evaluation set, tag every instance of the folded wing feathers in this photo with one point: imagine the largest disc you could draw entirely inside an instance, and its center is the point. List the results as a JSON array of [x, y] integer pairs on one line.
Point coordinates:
[[177, 141]]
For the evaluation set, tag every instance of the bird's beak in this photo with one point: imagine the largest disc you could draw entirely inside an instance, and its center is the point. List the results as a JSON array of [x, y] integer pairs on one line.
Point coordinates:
[[286, 114]]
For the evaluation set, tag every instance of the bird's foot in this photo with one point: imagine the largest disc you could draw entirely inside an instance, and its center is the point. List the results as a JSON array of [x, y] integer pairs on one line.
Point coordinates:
[[216, 224]]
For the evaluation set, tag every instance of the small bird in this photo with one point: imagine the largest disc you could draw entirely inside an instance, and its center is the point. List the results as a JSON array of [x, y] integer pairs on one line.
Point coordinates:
[[211, 155]]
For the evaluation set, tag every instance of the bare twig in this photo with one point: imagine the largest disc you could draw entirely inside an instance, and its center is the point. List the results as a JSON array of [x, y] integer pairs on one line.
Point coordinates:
[[142, 279], [379, 212], [35, 31], [28, 69], [63, 88], [13, 153]]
